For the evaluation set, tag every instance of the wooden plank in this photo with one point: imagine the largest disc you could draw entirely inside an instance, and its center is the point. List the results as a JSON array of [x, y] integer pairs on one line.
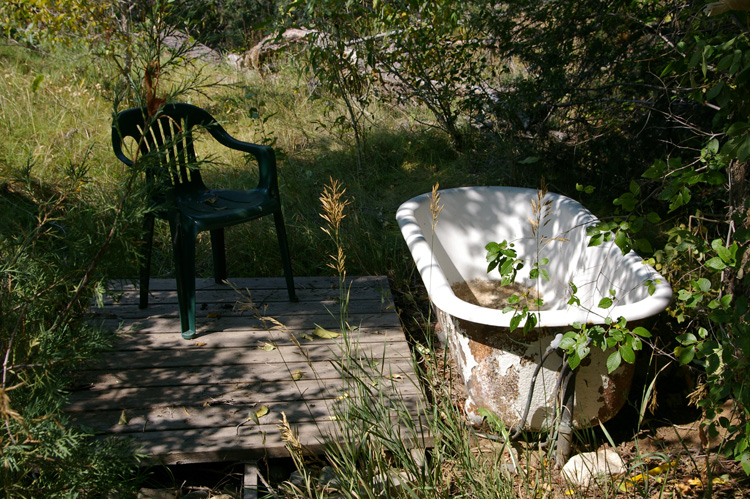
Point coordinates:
[[361, 283], [131, 295], [179, 416], [250, 442], [239, 308], [281, 355], [301, 322], [250, 481], [207, 395], [93, 380], [251, 338]]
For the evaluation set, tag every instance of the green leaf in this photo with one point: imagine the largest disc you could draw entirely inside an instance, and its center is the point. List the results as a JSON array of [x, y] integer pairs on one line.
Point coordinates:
[[703, 284], [745, 462], [605, 303], [621, 240], [642, 332], [613, 362], [582, 350], [627, 353], [596, 239], [574, 361], [715, 263], [687, 339], [644, 246], [726, 300], [653, 217], [738, 128], [658, 170], [515, 321], [743, 151], [685, 354]]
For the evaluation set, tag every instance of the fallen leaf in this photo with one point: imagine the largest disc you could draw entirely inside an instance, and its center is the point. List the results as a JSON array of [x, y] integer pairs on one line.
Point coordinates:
[[200, 343], [324, 333], [267, 347], [123, 419], [306, 337], [262, 412], [695, 482], [213, 315], [682, 489], [396, 377], [655, 472], [297, 375]]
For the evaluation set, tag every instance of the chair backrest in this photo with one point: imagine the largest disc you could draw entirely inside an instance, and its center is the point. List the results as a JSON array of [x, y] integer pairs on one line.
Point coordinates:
[[165, 142]]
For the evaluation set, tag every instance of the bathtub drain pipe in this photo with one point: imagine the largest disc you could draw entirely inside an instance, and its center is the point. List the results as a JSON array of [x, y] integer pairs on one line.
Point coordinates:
[[564, 440]]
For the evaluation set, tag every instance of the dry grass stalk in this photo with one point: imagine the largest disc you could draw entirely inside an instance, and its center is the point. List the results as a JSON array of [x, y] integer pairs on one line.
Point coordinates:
[[333, 206], [542, 216], [290, 438], [435, 206]]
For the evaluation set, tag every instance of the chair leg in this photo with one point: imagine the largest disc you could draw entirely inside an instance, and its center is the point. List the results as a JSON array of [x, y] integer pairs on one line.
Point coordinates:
[[286, 260], [183, 245], [145, 277], [219, 254]]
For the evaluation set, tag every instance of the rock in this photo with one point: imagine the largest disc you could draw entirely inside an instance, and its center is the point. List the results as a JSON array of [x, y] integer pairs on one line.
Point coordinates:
[[327, 477], [297, 479], [235, 60], [158, 494], [388, 483], [582, 469], [199, 494], [177, 40]]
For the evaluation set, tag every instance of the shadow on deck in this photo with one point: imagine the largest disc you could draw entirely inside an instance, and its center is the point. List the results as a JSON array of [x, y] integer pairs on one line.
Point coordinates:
[[221, 395]]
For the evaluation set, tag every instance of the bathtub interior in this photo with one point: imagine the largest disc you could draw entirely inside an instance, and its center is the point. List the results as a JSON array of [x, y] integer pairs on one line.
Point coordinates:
[[473, 217]]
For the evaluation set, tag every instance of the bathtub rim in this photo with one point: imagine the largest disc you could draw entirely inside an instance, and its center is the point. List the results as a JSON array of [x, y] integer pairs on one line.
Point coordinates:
[[442, 296]]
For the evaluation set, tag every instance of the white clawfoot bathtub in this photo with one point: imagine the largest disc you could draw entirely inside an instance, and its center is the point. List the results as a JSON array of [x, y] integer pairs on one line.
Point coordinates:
[[497, 365]]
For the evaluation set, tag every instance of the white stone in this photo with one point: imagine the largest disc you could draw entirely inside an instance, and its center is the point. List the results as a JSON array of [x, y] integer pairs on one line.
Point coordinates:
[[581, 469], [391, 481]]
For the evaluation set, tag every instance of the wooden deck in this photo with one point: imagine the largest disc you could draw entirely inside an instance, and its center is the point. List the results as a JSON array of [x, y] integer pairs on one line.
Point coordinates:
[[203, 400]]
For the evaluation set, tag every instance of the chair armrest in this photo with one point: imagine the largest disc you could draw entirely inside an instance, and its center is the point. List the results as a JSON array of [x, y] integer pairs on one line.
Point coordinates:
[[263, 154], [117, 147]]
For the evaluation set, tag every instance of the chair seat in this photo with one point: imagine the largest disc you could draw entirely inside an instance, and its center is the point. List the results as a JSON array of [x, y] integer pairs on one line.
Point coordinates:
[[212, 208]]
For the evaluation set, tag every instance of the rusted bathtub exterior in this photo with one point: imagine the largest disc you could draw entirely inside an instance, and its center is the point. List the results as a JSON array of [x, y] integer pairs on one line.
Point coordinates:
[[497, 365]]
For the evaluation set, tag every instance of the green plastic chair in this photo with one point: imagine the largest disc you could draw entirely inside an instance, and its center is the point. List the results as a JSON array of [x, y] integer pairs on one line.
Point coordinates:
[[165, 146]]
